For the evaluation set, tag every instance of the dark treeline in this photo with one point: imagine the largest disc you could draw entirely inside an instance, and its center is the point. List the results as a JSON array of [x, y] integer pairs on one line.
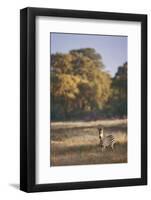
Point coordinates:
[[81, 89]]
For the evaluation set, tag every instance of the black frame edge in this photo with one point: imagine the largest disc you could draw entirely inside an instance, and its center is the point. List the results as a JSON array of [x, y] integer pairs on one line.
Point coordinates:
[[27, 100], [23, 100], [144, 99], [87, 185], [87, 14]]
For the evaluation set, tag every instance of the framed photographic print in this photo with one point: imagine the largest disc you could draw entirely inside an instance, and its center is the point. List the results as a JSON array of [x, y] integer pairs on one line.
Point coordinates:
[[83, 99]]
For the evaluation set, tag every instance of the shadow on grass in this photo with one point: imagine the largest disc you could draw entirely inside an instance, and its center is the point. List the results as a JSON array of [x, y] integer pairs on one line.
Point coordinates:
[[88, 154], [86, 148]]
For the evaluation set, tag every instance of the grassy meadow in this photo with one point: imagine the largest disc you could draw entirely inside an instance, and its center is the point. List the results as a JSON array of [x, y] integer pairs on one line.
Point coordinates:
[[77, 143]]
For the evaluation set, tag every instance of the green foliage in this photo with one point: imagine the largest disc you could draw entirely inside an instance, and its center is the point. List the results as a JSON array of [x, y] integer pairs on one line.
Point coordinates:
[[118, 100], [79, 85]]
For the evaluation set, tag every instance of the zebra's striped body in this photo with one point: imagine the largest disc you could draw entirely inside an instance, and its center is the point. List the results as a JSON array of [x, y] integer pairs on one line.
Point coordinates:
[[106, 141]]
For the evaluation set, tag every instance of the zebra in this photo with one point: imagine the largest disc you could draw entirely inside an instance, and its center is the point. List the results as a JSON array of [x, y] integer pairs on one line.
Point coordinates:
[[106, 141]]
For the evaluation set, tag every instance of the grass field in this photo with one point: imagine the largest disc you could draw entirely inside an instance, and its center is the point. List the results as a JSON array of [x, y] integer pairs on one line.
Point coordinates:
[[77, 143]]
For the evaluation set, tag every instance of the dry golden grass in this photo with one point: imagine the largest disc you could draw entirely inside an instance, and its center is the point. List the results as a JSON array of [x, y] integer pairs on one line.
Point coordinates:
[[76, 143]]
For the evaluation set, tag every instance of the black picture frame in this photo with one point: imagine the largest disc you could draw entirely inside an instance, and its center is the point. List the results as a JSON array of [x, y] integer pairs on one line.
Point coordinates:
[[28, 98]]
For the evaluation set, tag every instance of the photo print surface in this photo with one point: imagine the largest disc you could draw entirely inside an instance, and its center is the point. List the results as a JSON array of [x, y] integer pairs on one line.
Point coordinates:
[[88, 99]]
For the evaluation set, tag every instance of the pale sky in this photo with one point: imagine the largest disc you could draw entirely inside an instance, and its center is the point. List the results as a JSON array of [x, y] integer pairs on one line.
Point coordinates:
[[113, 49]]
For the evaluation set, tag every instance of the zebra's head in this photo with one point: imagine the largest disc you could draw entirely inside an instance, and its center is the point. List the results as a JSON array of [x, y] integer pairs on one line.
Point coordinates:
[[101, 134]]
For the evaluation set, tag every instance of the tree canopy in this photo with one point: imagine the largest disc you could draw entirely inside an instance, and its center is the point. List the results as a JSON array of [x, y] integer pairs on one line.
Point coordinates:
[[80, 85]]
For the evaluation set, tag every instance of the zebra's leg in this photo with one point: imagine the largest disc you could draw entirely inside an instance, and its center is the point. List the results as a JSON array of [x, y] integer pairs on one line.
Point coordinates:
[[103, 148], [101, 144], [112, 146]]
